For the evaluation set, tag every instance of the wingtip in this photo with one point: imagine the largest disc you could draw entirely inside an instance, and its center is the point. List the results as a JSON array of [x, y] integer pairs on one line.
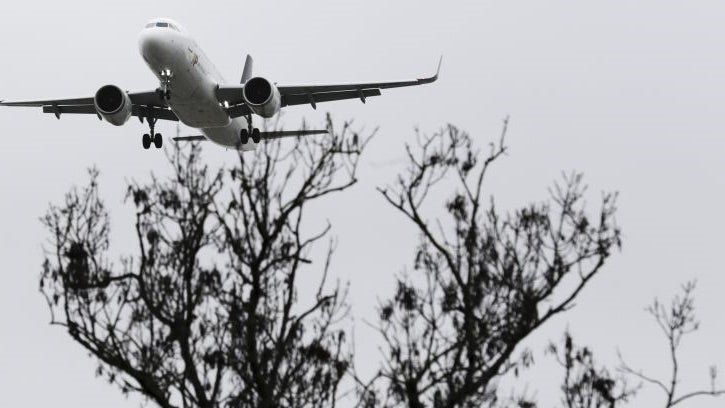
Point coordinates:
[[438, 69], [433, 78]]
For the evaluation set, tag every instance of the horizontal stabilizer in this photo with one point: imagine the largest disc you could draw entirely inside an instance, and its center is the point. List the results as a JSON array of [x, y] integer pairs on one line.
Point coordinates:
[[262, 135], [290, 133], [189, 138]]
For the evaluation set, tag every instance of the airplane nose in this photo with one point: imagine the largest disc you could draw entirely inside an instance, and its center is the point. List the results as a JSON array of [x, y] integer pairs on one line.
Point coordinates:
[[151, 45]]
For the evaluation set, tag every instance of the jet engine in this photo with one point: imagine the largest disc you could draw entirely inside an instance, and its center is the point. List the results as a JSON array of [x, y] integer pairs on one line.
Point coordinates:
[[262, 97], [113, 105]]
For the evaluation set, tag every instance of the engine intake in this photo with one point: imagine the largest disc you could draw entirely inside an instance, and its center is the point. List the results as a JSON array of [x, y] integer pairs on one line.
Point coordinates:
[[262, 97], [113, 104]]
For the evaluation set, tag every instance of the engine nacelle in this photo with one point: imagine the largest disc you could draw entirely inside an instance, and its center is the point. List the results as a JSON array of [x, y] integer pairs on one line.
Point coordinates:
[[113, 105], [262, 97]]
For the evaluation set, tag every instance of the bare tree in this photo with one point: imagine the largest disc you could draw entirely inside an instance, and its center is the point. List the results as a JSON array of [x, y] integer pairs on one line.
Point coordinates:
[[676, 320], [205, 313], [481, 281]]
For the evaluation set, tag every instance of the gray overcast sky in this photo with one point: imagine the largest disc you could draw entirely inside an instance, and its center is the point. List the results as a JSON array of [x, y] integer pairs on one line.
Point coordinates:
[[629, 92]]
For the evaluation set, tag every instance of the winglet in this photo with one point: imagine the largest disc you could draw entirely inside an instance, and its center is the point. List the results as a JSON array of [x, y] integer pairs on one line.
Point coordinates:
[[247, 73], [434, 77]]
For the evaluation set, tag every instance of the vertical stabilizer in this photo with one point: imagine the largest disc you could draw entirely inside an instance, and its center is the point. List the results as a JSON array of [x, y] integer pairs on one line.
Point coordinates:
[[247, 74]]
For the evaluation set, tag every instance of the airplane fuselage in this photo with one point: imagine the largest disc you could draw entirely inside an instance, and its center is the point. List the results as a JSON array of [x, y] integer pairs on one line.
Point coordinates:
[[173, 56]]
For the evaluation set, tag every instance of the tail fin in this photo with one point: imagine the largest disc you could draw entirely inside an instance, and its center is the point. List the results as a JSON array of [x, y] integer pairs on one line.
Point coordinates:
[[247, 73]]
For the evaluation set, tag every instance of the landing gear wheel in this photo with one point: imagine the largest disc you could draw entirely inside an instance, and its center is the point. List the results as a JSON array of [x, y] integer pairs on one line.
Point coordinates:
[[167, 95], [151, 136], [146, 141], [244, 136], [256, 136], [158, 141]]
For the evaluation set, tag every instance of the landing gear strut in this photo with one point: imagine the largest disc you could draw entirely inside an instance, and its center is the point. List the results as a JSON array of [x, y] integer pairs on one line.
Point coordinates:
[[252, 132], [150, 137], [164, 91]]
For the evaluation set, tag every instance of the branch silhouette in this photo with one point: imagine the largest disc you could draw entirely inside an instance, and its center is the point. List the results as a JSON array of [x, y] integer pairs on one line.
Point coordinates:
[[206, 313], [676, 320]]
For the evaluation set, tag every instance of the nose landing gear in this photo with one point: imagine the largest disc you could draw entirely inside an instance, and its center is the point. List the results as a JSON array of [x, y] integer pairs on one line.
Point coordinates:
[[164, 91]]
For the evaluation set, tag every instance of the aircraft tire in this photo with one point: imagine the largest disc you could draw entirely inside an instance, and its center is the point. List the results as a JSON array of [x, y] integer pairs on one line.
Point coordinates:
[[256, 136], [158, 141], [244, 136], [146, 141]]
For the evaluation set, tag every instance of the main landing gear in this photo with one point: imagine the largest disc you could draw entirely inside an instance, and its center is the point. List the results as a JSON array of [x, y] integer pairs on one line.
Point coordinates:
[[150, 137], [250, 132]]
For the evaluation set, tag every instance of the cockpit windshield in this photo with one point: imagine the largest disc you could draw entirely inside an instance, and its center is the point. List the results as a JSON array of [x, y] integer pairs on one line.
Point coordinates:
[[162, 25]]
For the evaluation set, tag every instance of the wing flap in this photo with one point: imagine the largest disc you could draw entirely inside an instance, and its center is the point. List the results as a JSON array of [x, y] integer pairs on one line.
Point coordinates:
[[231, 94], [82, 109], [154, 112], [239, 110], [314, 98], [148, 98]]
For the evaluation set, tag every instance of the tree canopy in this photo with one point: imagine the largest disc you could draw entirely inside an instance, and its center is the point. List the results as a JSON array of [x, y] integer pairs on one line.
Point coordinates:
[[205, 309]]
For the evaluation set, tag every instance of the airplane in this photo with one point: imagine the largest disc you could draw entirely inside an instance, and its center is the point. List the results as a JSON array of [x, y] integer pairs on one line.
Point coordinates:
[[193, 91]]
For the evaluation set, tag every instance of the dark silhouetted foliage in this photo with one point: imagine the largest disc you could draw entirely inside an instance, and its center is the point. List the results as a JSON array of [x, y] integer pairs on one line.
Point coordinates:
[[482, 281], [586, 385], [205, 312]]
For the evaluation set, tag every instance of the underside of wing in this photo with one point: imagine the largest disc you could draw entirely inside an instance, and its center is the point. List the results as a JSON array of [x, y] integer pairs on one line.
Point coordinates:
[[233, 95], [145, 104], [63, 102], [314, 97], [138, 111], [307, 89], [147, 98]]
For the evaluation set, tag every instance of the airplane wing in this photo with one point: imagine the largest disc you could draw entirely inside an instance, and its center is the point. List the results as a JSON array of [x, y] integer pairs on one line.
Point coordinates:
[[145, 105], [277, 134], [313, 94]]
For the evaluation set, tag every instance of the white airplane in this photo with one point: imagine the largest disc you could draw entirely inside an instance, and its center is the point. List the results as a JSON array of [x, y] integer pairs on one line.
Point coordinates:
[[192, 91]]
